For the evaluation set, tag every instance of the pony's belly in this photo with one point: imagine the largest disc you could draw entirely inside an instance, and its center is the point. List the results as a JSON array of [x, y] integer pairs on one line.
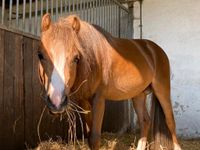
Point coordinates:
[[122, 94]]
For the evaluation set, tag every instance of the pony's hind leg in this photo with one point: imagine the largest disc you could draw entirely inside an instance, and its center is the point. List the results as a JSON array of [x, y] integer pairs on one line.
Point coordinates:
[[162, 92], [139, 103]]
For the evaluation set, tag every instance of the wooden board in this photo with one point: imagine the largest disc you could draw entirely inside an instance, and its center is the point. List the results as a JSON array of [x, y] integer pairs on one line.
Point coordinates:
[[18, 126], [1, 85], [28, 92], [8, 94]]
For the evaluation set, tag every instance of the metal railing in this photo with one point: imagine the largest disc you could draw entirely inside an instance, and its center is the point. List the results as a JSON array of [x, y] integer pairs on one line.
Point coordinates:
[[25, 15]]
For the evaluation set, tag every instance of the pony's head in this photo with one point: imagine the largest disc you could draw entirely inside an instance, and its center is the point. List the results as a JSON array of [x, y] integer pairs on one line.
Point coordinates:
[[59, 56]]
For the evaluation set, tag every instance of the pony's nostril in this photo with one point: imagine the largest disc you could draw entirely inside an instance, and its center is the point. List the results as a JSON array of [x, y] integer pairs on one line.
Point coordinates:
[[64, 101], [63, 98], [56, 108]]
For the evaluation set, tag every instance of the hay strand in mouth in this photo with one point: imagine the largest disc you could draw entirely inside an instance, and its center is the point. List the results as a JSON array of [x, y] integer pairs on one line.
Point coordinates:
[[39, 122], [84, 81], [71, 112], [80, 119], [74, 105]]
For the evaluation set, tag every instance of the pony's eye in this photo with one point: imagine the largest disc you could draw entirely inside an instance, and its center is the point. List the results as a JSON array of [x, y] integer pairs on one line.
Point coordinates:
[[76, 59], [40, 55]]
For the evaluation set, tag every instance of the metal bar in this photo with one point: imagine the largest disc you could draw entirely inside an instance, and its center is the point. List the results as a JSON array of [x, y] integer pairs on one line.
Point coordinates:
[[96, 12], [81, 9], [119, 22], [3, 11], [133, 15], [65, 6], [103, 13], [56, 9], [93, 4], [99, 18], [106, 15], [61, 7], [109, 16], [124, 24], [86, 9], [41, 8], [30, 15], [52, 9], [92, 11], [121, 6], [129, 1], [23, 14], [116, 16], [89, 11], [10, 12], [76, 7], [111, 12], [36, 15], [73, 5], [141, 20], [17, 13], [69, 5], [47, 6], [96, 16]]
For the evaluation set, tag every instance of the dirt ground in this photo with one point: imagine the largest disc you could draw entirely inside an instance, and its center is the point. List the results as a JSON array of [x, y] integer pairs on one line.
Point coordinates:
[[112, 142]]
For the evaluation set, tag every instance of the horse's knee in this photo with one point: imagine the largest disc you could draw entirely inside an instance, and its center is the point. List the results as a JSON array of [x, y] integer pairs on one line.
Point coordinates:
[[94, 141]]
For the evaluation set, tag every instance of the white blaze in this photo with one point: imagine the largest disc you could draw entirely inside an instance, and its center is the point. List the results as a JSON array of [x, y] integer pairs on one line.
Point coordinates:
[[57, 84]]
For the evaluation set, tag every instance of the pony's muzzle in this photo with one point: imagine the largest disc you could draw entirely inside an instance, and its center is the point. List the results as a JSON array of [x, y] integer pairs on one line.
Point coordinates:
[[56, 109]]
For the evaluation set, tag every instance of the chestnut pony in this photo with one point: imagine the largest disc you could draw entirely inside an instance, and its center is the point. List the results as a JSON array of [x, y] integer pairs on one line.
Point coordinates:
[[83, 63]]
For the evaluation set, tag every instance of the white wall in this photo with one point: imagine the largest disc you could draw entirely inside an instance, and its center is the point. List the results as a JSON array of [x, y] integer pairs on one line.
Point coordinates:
[[175, 26]]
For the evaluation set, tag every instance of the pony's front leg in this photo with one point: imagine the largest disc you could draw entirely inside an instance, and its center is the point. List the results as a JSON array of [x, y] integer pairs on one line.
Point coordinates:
[[85, 104], [139, 103], [98, 107]]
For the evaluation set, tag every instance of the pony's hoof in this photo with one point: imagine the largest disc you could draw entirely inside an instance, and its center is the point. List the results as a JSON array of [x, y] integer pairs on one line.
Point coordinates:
[[177, 146], [142, 144]]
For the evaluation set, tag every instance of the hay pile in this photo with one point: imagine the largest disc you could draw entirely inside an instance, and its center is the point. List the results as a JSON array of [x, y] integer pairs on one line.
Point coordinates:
[[111, 141], [52, 145]]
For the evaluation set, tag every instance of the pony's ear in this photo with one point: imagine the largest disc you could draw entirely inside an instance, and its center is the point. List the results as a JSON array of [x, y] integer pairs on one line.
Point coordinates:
[[46, 22], [76, 24]]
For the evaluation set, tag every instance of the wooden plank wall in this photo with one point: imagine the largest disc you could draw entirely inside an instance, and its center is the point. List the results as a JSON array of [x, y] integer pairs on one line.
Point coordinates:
[[20, 103]]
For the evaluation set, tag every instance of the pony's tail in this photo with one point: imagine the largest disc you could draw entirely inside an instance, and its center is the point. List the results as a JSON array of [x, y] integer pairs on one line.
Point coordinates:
[[160, 134]]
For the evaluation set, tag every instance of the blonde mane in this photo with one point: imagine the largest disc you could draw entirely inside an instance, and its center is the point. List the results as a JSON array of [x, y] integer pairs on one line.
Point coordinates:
[[93, 47]]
